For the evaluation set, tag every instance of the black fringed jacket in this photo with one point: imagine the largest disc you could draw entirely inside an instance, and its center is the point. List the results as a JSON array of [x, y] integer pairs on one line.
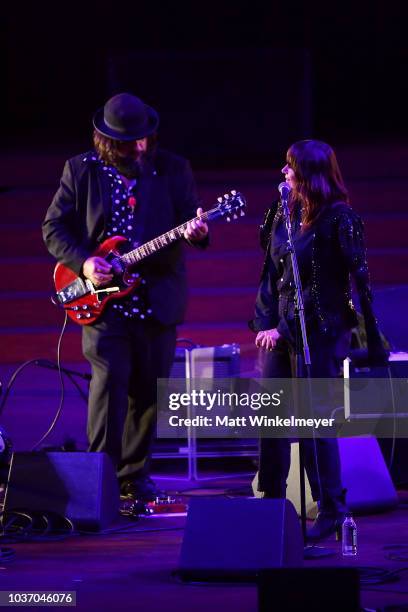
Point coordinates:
[[334, 254]]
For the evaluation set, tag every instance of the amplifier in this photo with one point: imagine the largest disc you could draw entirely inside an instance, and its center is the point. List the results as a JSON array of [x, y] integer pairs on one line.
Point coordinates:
[[207, 362], [373, 392], [215, 361]]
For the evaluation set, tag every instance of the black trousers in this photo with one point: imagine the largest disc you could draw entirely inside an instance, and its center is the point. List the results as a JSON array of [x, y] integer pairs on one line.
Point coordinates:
[[127, 356], [321, 455]]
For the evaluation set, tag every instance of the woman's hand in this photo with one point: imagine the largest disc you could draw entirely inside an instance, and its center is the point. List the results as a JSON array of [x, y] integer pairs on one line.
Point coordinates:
[[267, 339]]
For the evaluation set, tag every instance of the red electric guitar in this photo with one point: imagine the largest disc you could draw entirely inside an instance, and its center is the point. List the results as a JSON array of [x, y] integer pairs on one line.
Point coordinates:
[[84, 302]]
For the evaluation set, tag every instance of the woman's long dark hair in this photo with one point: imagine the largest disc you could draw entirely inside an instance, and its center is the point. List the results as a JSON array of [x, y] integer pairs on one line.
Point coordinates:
[[319, 182]]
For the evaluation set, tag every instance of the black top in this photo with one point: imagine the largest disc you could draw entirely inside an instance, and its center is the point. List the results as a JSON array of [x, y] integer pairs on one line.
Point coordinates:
[[127, 221]]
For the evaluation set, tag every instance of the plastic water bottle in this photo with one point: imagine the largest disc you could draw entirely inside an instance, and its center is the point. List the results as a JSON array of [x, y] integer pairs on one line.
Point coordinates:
[[349, 536]]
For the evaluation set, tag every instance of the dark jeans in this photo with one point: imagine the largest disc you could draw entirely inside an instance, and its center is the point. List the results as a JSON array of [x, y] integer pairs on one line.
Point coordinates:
[[321, 455], [127, 356]]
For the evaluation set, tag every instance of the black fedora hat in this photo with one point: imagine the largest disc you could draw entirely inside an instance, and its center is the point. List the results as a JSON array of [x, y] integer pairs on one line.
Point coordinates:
[[126, 117]]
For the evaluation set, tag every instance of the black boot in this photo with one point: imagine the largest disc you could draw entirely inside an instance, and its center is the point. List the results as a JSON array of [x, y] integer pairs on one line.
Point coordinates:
[[329, 519], [143, 489]]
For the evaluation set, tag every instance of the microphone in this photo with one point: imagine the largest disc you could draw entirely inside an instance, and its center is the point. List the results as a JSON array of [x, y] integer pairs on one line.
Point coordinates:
[[284, 189]]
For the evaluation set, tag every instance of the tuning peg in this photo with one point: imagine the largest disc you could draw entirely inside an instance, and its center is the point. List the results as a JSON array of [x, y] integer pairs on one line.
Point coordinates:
[[226, 196], [233, 192], [228, 219], [219, 199], [235, 216], [242, 213]]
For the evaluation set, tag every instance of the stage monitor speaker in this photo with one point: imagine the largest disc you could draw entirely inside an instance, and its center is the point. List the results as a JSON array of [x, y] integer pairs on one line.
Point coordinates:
[[293, 488], [233, 539], [310, 588], [80, 486], [364, 474]]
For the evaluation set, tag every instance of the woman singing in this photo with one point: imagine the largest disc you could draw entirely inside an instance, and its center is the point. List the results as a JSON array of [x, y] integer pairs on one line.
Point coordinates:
[[329, 244]]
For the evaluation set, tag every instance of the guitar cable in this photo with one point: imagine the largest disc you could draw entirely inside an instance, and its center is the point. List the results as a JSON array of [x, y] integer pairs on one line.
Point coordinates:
[[61, 378], [11, 382], [22, 367]]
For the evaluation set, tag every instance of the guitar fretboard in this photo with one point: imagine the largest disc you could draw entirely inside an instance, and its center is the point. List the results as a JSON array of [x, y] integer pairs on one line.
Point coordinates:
[[151, 247]]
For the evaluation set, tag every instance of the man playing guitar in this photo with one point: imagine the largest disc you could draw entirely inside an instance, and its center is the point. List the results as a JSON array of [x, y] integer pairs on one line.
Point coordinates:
[[126, 186]]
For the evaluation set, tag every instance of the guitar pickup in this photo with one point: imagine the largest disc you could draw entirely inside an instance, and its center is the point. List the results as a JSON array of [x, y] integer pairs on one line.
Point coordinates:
[[75, 290]]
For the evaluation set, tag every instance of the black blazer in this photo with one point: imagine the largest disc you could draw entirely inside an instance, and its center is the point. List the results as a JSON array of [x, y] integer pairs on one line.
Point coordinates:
[[75, 223]]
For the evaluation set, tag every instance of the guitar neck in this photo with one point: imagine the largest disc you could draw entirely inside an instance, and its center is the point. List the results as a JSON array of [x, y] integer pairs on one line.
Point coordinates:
[[155, 245]]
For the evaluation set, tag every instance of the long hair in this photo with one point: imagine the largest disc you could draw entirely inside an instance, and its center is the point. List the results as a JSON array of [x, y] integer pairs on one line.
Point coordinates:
[[319, 182], [108, 149]]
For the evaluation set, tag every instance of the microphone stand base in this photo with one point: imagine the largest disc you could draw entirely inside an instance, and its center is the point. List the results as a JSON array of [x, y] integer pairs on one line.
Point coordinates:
[[317, 552]]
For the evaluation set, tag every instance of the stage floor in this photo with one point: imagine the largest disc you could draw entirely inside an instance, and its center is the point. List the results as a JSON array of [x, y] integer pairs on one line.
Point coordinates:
[[130, 566]]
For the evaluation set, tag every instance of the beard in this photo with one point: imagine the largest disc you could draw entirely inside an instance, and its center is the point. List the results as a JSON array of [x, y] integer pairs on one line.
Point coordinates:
[[129, 166]]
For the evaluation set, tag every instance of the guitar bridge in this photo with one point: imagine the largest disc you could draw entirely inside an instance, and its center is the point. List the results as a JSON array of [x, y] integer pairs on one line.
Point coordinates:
[[102, 293], [106, 290]]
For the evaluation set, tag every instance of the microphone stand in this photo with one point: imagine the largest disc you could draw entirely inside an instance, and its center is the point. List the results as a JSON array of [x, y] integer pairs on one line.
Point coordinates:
[[71, 374], [44, 363], [303, 366]]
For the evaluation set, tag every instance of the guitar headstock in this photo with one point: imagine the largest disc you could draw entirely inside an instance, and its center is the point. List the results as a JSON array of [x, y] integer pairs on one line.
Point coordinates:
[[230, 206]]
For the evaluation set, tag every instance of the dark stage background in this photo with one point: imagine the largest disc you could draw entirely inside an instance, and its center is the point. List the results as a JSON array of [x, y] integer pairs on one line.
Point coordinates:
[[234, 82]]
